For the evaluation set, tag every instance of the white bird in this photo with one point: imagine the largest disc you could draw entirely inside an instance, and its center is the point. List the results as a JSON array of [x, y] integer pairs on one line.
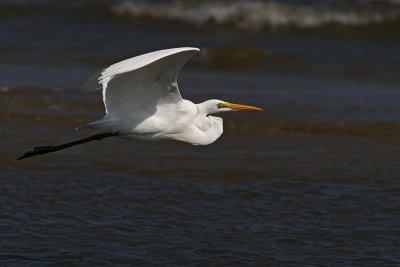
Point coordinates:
[[142, 101]]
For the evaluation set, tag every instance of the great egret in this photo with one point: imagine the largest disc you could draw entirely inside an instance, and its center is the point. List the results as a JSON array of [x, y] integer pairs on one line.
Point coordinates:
[[142, 101]]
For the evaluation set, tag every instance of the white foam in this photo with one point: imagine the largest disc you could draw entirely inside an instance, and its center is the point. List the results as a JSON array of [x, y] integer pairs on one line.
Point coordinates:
[[252, 14]]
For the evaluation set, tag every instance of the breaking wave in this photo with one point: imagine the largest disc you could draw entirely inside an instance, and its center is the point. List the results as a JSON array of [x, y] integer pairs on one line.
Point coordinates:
[[253, 15]]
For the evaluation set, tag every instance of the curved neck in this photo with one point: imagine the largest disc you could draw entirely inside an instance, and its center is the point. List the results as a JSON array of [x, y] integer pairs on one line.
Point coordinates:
[[201, 109]]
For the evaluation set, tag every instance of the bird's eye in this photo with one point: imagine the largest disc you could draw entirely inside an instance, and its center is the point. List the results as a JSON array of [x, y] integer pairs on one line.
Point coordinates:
[[220, 105]]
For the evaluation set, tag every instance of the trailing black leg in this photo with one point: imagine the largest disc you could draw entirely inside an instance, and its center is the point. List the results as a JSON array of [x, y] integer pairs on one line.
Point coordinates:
[[40, 150]]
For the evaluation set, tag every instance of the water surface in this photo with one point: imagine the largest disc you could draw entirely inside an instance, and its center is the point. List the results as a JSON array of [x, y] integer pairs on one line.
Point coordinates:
[[313, 180]]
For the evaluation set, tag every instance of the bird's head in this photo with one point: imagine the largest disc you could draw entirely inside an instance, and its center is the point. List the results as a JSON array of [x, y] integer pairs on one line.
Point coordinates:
[[214, 106]]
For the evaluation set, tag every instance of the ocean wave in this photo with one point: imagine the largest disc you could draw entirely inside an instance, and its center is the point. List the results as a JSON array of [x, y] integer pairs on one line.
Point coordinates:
[[253, 15]]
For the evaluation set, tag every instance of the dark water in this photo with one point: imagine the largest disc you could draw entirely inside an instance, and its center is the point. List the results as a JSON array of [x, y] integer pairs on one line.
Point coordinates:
[[311, 181]]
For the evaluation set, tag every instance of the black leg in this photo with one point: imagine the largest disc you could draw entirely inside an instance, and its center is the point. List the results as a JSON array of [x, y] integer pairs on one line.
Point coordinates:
[[39, 150]]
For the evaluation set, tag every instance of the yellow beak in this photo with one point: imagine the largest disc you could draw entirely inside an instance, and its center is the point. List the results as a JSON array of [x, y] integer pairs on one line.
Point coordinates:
[[241, 107]]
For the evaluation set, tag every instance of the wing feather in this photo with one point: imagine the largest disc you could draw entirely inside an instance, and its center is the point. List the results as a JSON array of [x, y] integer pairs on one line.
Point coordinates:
[[148, 79]]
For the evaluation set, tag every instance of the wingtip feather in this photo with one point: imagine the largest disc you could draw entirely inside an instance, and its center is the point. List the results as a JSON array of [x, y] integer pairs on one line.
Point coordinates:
[[93, 83]]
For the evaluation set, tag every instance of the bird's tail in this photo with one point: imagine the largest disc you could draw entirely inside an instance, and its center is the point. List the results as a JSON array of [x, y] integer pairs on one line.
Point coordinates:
[[105, 124]]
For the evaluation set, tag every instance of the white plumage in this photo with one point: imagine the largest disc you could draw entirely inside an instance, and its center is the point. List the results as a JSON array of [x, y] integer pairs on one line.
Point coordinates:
[[142, 100]]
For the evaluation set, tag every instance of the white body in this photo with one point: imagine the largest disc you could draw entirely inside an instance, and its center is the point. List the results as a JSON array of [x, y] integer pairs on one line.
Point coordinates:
[[180, 121], [143, 102]]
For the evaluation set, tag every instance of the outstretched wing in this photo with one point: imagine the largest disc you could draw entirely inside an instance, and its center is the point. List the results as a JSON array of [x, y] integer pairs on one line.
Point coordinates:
[[145, 80]]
